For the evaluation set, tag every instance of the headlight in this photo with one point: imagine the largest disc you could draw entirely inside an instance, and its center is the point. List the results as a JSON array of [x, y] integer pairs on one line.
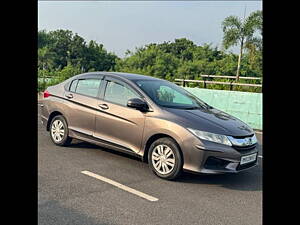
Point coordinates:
[[211, 137]]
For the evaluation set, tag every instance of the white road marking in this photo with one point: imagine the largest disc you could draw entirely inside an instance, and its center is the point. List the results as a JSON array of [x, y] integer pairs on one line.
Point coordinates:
[[121, 186], [260, 156]]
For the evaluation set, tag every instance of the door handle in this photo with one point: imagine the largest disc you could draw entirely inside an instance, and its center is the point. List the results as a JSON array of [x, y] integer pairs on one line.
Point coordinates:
[[69, 96], [103, 106]]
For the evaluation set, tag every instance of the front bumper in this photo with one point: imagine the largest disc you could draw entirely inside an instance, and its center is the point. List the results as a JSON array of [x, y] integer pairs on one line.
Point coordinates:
[[216, 158], [214, 165]]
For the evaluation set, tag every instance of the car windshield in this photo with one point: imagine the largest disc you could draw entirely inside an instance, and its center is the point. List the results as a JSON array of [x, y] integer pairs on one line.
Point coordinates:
[[170, 95]]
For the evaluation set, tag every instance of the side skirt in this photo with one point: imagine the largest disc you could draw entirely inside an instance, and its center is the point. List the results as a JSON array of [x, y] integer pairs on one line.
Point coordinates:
[[101, 142]]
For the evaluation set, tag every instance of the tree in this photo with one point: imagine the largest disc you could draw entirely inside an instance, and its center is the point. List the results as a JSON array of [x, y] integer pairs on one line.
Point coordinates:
[[59, 48], [207, 53], [242, 33], [182, 48], [45, 58], [44, 39]]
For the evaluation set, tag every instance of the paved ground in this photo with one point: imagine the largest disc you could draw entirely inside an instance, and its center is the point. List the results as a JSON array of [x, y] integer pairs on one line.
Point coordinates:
[[66, 196]]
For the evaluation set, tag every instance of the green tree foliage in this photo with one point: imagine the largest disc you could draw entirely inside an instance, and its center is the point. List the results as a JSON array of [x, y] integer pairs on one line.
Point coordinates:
[[57, 49], [181, 48], [43, 39], [62, 54], [184, 59], [46, 58]]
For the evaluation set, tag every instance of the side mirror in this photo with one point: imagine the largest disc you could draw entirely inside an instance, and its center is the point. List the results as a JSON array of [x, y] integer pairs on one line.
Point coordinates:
[[137, 103]]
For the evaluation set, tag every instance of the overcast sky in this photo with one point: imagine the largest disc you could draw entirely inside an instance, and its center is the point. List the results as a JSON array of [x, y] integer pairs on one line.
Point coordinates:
[[122, 25]]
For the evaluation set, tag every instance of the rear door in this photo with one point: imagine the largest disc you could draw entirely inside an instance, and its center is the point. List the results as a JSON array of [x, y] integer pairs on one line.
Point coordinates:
[[82, 98], [115, 122]]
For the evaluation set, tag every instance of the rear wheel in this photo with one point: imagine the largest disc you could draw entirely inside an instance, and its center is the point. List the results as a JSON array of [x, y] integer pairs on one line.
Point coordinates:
[[59, 131], [165, 159]]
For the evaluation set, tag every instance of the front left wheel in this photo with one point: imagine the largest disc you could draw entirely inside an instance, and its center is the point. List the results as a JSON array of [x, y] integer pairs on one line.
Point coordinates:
[[164, 158], [59, 131]]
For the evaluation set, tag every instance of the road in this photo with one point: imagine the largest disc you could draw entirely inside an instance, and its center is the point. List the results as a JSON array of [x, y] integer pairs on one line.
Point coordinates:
[[67, 196]]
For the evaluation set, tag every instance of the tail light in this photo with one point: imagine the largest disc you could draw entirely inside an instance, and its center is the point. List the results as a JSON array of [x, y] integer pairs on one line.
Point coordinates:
[[46, 94]]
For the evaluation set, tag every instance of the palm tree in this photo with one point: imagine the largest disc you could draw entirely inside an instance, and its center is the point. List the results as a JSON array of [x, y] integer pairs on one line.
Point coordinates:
[[242, 33]]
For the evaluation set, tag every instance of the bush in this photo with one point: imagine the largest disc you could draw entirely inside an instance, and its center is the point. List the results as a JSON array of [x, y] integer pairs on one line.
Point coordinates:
[[49, 78]]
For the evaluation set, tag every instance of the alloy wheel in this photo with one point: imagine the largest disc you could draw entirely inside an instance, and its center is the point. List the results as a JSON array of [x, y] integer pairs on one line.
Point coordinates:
[[57, 130], [163, 159]]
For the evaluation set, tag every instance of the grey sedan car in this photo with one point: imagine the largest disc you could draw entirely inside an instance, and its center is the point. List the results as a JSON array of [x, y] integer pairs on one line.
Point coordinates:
[[151, 118]]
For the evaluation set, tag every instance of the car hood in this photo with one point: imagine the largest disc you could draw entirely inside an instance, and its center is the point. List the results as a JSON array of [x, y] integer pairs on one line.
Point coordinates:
[[211, 120]]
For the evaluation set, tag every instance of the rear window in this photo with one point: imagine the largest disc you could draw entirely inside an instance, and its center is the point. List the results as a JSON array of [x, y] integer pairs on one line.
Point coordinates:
[[89, 87]]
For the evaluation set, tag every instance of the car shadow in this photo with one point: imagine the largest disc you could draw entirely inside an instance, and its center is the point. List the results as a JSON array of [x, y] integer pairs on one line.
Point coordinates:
[[248, 180]]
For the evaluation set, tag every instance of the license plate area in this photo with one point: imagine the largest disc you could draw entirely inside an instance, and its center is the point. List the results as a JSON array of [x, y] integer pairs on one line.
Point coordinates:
[[248, 158]]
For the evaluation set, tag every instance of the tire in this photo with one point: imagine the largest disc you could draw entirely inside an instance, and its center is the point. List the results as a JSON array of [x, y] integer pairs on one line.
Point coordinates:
[[57, 137], [164, 159]]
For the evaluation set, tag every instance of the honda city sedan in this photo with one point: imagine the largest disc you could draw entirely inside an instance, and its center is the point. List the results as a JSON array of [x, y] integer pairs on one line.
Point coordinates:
[[151, 118]]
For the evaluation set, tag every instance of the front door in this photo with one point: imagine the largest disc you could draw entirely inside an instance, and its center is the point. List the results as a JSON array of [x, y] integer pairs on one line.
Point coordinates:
[[115, 122]]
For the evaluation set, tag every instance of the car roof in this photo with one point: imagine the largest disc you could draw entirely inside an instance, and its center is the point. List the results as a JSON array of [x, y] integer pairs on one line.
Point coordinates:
[[129, 76]]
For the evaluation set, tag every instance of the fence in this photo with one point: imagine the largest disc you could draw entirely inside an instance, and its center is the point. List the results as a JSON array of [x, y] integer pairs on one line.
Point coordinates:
[[207, 80]]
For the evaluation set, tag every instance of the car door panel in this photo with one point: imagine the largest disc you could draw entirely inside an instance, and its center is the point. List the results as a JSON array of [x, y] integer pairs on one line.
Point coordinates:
[[81, 112], [120, 125]]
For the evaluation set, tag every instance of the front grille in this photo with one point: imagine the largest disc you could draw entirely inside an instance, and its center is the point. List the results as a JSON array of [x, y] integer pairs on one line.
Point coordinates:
[[244, 148], [240, 137]]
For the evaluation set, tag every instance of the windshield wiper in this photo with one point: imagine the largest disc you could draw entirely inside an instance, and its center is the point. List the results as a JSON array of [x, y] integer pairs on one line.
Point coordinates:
[[187, 108], [208, 106], [191, 108], [205, 106]]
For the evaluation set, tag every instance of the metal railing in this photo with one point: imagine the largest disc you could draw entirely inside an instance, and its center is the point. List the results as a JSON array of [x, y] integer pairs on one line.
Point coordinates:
[[183, 82]]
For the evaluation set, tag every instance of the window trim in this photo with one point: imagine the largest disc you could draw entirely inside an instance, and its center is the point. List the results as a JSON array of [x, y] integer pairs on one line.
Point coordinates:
[[69, 89], [82, 76]]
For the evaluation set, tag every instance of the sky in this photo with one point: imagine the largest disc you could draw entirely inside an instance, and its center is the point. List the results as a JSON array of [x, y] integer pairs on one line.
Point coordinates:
[[122, 25]]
